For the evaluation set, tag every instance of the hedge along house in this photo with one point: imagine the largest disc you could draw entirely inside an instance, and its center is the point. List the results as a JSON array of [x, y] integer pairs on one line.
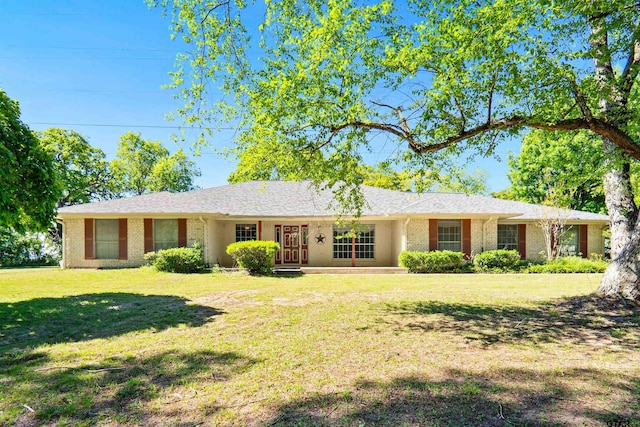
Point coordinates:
[[117, 233]]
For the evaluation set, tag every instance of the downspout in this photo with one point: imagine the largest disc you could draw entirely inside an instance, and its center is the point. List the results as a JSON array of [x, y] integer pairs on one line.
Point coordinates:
[[484, 233], [62, 245], [205, 237], [405, 236]]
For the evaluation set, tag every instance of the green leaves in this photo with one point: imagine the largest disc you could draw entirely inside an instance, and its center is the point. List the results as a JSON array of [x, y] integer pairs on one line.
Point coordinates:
[[28, 192], [82, 172], [143, 166], [322, 86]]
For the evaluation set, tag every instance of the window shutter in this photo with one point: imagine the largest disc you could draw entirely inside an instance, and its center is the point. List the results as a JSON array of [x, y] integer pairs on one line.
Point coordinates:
[[148, 235], [88, 239], [466, 237], [122, 238], [583, 241], [433, 234], [182, 232], [522, 241]]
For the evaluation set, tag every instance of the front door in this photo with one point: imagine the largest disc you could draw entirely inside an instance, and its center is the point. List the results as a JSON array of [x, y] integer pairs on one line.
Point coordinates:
[[293, 244]]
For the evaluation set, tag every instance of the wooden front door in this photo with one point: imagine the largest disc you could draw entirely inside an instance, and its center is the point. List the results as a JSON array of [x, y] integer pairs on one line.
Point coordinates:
[[291, 244]]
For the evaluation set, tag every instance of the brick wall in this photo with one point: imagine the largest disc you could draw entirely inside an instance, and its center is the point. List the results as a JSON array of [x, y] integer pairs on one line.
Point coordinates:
[[73, 243], [418, 235]]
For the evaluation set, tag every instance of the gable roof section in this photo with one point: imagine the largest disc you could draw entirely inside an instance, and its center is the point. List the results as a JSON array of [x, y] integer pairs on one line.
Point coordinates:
[[301, 199]]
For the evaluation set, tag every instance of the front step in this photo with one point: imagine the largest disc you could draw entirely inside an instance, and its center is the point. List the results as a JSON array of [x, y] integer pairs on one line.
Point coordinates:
[[286, 271]]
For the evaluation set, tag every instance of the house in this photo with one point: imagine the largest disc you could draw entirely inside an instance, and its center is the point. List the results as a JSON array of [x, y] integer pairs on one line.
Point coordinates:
[[117, 233]]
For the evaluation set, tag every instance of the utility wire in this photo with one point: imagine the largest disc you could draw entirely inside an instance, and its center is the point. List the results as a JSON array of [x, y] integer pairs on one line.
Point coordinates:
[[113, 125]]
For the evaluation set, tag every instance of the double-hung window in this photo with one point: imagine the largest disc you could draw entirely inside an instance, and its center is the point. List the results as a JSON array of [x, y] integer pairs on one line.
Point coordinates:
[[450, 235], [570, 241], [106, 238], [508, 236], [165, 234]]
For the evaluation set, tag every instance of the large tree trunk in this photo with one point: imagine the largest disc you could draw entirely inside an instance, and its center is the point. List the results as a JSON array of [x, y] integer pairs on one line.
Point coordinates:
[[622, 278]]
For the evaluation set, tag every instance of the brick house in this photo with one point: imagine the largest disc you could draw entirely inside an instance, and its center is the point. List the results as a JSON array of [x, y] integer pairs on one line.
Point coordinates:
[[117, 233]]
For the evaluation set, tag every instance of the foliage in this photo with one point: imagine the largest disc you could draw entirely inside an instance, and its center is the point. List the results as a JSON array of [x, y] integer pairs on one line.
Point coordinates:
[[24, 249], [256, 256], [497, 261], [28, 190], [81, 170], [431, 262], [177, 260], [454, 181], [334, 81], [144, 166], [552, 162], [571, 264]]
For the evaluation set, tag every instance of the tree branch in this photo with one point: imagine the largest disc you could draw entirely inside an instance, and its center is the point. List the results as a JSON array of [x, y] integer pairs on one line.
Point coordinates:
[[631, 70], [597, 126], [581, 101]]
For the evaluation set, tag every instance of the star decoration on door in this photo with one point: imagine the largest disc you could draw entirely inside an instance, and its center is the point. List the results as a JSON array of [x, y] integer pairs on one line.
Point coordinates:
[[320, 238]]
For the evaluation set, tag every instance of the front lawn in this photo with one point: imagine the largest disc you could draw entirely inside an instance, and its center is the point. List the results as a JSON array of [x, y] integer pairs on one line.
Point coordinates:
[[136, 347]]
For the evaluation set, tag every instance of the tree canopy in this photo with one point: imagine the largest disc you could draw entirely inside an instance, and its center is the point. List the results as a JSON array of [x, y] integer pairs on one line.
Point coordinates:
[[143, 166], [322, 83], [81, 170], [28, 188]]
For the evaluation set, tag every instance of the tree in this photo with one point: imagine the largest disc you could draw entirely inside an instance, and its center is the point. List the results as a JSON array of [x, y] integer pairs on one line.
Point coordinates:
[[435, 78], [143, 166], [568, 164], [28, 191], [81, 170]]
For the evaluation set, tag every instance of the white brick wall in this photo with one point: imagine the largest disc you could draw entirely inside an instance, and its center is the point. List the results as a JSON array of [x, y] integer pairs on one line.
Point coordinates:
[[73, 242], [418, 235], [477, 240]]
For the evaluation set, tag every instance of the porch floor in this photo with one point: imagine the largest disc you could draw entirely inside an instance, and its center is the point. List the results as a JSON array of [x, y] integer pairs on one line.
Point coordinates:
[[353, 270]]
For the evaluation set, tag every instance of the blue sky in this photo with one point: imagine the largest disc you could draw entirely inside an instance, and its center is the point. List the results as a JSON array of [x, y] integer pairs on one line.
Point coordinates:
[[97, 67]]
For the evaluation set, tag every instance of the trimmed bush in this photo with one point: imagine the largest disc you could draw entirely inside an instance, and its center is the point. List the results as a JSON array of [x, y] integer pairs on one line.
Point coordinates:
[[497, 261], [256, 256], [431, 262], [571, 264], [177, 260]]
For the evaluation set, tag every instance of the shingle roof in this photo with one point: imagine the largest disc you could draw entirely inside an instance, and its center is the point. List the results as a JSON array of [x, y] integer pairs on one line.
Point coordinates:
[[301, 199]]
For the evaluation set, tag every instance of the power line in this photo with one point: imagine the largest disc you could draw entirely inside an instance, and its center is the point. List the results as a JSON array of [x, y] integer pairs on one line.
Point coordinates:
[[113, 125]]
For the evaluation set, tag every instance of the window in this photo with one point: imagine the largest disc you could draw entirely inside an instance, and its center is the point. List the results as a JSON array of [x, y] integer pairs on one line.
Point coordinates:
[[570, 241], [364, 243], [246, 232], [106, 239], [165, 234], [450, 235], [508, 236]]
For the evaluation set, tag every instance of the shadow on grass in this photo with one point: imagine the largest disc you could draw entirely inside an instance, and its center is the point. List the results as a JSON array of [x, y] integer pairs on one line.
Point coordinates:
[[512, 397], [584, 319], [159, 389], [28, 324]]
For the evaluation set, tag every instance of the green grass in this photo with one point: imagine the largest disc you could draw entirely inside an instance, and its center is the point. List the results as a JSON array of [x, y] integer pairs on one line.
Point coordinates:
[[136, 347]]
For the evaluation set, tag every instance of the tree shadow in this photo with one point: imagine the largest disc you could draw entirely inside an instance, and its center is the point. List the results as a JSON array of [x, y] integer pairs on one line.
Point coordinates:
[[29, 324], [154, 390], [584, 319], [508, 398]]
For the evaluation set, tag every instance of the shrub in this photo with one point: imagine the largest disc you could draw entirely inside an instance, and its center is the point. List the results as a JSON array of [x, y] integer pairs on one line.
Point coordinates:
[[497, 261], [571, 264], [254, 255], [431, 262], [177, 260]]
